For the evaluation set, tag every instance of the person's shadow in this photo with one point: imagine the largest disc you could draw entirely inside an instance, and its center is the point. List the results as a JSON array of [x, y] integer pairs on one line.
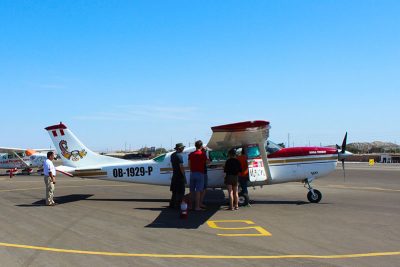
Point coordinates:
[[59, 200], [170, 218]]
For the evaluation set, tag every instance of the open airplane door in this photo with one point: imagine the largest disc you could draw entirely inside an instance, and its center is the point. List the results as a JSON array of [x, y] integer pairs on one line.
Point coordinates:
[[257, 169], [249, 134]]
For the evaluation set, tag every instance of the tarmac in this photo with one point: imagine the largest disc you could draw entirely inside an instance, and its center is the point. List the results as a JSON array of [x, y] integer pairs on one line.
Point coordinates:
[[104, 223]]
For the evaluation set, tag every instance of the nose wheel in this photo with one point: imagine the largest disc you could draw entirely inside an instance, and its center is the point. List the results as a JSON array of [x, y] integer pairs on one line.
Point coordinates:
[[313, 195]]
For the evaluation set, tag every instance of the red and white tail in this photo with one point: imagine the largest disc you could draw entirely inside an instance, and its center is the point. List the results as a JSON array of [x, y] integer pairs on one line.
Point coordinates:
[[72, 152]]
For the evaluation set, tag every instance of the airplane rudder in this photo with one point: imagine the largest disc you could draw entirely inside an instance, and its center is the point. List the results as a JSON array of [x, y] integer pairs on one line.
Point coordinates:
[[71, 150]]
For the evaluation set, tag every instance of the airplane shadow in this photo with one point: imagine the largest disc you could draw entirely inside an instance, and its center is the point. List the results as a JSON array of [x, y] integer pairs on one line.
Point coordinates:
[[59, 200], [129, 199]]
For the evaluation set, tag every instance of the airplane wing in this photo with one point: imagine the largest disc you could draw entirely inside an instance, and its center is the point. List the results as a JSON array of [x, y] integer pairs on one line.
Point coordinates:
[[11, 150], [238, 134], [20, 150]]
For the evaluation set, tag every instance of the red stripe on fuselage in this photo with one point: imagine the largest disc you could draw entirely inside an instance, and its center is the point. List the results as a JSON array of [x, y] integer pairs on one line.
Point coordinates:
[[303, 152]]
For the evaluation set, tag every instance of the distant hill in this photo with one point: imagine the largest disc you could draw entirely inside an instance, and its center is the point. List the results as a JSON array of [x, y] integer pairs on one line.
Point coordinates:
[[374, 147]]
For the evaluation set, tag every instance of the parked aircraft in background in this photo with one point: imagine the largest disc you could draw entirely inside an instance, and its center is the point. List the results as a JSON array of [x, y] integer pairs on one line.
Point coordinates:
[[14, 159], [268, 163]]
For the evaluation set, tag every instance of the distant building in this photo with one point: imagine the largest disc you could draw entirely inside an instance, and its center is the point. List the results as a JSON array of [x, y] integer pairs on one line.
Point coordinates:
[[377, 157], [390, 158]]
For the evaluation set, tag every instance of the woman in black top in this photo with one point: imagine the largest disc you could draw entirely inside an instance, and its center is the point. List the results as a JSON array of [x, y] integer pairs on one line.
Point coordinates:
[[232, 169]]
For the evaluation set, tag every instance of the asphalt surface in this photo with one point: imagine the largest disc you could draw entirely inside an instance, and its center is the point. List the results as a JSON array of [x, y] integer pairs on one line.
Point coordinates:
[[104, 223]]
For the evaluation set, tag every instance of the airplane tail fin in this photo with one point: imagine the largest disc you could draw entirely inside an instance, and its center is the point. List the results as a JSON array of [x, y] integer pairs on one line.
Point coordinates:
[[72, 152]]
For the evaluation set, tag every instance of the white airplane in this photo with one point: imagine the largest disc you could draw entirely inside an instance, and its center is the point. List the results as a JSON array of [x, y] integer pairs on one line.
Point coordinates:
[[268, 163], [14, 159]]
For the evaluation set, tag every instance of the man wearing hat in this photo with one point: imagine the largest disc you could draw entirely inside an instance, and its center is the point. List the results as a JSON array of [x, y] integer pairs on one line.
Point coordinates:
[[178, 180]]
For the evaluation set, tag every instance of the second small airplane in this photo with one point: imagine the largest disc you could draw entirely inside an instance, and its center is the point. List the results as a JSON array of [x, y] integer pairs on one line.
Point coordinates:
[[14, 159]]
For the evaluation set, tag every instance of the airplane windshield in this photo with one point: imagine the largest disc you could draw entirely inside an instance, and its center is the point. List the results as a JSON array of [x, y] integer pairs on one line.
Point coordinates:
[[271, 147], [160, 158]]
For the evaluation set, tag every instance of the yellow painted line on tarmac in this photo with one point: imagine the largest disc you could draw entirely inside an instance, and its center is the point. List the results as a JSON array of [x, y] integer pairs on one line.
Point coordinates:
[[363, 188], [61, 187], [193, 256]]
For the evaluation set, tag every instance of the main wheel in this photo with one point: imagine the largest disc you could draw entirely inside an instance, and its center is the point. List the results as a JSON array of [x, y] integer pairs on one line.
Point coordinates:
[[243, 199], [314, 198]]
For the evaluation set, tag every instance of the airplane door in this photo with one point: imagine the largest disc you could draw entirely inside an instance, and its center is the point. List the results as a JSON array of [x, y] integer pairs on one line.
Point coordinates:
[[256, 164]]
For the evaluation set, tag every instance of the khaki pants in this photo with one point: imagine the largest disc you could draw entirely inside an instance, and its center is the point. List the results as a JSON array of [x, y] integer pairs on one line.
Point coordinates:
[[49, 190]]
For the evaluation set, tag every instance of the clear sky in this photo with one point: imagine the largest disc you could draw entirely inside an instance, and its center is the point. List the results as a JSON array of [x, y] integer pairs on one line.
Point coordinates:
[[160, 72]]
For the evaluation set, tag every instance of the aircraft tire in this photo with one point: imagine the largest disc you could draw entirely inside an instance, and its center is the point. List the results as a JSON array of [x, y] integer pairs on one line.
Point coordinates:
[[243, 199], [314, 198]]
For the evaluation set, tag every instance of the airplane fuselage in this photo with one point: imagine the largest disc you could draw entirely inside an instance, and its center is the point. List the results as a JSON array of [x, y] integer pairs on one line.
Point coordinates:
[[286, 165]]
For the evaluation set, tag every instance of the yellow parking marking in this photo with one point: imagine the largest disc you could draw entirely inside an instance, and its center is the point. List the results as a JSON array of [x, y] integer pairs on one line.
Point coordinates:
[[261, 231], [363, 188], [193, 256]]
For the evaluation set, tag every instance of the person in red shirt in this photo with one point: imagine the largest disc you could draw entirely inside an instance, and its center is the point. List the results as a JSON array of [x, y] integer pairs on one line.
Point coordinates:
[[244, 174], [197, 164]]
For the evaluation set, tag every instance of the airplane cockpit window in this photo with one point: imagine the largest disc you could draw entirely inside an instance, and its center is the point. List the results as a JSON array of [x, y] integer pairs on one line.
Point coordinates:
[[160, 158], [217, 155], [253, 152], [271, 147]]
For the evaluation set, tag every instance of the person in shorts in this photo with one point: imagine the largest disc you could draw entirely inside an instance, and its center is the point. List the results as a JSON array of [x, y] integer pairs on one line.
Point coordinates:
[[197, 163], [232, 169]]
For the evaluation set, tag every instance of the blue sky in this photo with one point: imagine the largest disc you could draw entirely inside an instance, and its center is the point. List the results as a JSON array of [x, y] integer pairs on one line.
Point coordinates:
[[160, 72]]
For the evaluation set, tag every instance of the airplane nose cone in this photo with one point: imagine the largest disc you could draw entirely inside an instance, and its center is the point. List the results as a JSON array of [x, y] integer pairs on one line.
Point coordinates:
[[344, 155]]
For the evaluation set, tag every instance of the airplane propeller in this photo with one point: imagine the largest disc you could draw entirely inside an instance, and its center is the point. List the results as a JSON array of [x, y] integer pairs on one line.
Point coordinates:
[[343, 154]]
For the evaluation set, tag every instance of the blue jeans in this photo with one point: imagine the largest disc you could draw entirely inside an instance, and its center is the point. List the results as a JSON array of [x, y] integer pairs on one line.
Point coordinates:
[[243, 185]]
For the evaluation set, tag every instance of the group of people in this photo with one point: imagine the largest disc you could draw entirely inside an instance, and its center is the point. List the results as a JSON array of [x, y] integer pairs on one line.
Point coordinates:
[[236, 170], [198, 177]]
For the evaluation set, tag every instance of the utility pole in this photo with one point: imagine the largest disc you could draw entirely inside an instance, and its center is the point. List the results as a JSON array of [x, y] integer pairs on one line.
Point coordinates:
[[288, 140]]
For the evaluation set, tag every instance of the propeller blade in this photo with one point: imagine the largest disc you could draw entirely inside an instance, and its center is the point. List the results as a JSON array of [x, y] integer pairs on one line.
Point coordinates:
[[344, 171], [341, 155], [344, 144]]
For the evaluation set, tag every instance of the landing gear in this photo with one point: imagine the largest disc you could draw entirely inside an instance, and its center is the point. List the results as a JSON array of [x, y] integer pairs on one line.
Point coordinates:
[[314, 198], [313, 195], [243, 199]]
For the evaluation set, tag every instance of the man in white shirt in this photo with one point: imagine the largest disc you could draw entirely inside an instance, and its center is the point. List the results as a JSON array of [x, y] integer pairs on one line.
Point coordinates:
[[49, 178]]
